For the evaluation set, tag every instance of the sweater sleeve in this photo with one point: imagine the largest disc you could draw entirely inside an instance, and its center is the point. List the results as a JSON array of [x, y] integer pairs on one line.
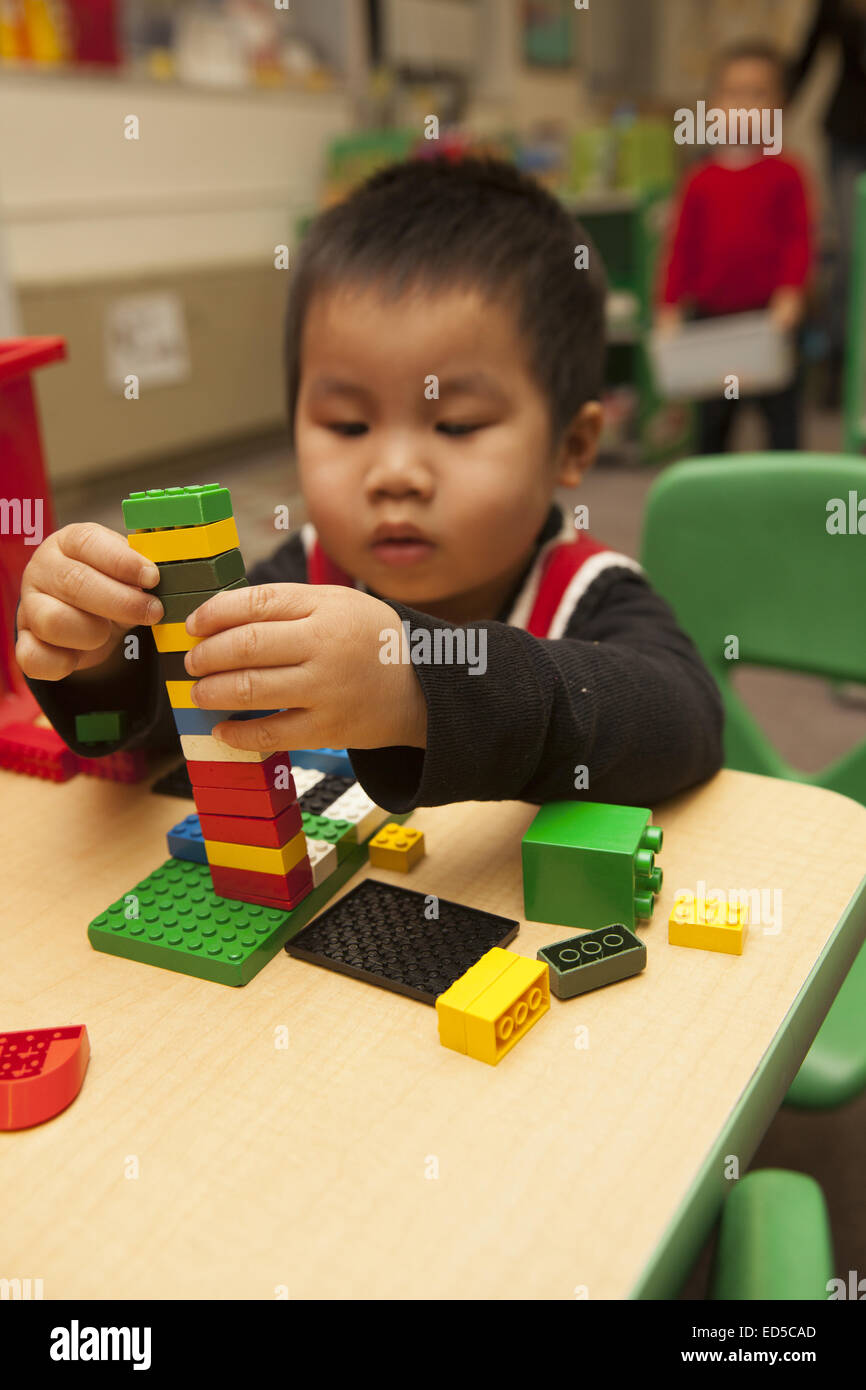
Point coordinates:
[[677, 278], [795, 259], [623, 694]]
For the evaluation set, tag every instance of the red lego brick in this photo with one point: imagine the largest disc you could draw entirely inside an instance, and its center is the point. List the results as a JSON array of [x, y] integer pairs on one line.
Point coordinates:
[[36, 752], [41, 1072], [269, 832], [244, 801], [284, 890], [246, 776], [116, 767]]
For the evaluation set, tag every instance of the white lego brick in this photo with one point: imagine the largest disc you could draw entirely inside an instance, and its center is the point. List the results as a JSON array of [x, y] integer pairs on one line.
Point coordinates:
[[199, 748], [306, 778], [355, 806], [323, 859]]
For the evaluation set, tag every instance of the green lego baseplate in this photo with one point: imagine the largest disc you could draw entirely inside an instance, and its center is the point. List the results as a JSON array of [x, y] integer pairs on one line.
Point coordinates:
[[102, 726], [183, 925], [603, 957], [160, 509], [335, 832], [587, 864]]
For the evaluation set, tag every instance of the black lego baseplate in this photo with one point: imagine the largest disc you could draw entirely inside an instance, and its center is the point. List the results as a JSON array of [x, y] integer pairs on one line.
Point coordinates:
[[387, 936]]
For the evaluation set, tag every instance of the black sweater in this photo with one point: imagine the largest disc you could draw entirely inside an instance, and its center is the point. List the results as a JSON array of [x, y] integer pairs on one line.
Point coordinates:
[[623, 693]]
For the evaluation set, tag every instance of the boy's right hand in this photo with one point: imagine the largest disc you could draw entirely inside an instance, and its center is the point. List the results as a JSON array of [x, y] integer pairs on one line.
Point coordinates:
[[81, 591]]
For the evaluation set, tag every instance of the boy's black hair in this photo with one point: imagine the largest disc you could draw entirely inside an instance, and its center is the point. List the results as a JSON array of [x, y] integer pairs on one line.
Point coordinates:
[[759, 50], [478, 222]]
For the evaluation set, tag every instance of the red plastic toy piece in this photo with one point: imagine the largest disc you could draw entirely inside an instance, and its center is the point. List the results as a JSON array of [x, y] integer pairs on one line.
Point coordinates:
[[270, 832], [41, 1072], [268, 890], [37, 752], [237, 775], [244, 801], [122, 766]]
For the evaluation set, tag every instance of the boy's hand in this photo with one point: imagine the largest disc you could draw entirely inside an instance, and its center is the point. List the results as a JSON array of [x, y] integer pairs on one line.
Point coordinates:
[[786, 308], [312, 651], [81, 591], [669, 320]]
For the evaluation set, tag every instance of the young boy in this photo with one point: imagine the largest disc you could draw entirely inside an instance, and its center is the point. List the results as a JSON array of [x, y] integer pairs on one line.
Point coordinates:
[[741, 240], [444, 367]]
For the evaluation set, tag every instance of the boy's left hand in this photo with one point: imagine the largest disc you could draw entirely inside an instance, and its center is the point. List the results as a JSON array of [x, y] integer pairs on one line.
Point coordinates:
[[786, 308], [311, 651]]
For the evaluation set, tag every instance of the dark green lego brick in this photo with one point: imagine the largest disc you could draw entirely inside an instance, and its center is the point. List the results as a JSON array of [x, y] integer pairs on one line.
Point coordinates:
[[179, 606], [159, 509], [336, 832], [582, 963], [103, 726], [195, 576], [184, 926], [171, 666], [586, 864]]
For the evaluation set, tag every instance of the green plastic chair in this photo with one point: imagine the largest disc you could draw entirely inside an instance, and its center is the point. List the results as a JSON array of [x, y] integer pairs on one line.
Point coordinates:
[[774, 1240], [740, 548]]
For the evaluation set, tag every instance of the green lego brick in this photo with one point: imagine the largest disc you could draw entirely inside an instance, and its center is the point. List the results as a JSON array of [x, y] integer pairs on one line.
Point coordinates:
[[184, 926], [582, 963], [196, 576], [159, 509], [586, 864], [104, 726], [179, 606], [336, 832]]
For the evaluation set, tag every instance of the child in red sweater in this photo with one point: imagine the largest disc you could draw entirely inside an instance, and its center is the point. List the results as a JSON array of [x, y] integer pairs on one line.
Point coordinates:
[[742, 240]]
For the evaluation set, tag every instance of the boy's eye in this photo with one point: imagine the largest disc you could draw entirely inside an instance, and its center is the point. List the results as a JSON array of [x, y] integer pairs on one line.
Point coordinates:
[[349, 427], [445, 427]]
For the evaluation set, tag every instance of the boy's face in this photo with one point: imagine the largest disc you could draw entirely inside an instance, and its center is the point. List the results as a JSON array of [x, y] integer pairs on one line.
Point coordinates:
[[434, 501], [747, 84]]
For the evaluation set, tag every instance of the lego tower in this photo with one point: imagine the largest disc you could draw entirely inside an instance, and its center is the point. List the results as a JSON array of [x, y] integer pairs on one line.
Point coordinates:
[[247, 802]]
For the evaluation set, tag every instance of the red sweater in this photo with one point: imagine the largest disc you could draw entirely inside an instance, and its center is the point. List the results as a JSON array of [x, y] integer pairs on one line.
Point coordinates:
[[739, 234]]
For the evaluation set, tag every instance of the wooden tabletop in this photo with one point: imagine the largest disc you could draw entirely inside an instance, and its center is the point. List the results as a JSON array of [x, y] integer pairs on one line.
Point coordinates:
[[307, 1135]]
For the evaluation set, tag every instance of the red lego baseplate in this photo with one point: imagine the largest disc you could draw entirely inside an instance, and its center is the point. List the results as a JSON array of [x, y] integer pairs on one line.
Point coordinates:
[[41, 1072]]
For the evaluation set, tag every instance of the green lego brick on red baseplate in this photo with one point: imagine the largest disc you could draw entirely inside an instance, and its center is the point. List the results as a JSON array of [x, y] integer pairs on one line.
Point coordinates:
[[179, 606], [184, 926], [336, 832], [160, 509], [603, 957], [103, 726], [195, 576], [586, 864]]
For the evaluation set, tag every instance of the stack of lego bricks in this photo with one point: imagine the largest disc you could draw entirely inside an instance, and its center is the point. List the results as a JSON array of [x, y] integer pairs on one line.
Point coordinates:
[[247, 802]]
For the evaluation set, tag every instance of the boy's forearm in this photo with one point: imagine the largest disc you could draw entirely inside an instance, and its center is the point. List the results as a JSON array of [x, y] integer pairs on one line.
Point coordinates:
[[630, 720]]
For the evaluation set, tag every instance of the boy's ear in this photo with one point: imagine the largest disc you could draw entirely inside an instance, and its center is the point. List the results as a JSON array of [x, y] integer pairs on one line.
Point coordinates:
[[579, 444]]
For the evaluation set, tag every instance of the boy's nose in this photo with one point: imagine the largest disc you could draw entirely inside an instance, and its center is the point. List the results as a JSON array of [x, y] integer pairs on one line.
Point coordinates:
[[398, 471]]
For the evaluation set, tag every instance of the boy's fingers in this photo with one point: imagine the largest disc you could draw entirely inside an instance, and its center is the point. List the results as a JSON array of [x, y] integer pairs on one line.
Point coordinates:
[[107, 552], [262, 603], [286, 730], [40, 660], [82, 586], [270, 687], [253, 644], [51, 620]]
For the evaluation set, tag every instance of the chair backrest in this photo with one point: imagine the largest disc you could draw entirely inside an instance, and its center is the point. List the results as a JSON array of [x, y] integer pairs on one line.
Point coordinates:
[[763, 558]]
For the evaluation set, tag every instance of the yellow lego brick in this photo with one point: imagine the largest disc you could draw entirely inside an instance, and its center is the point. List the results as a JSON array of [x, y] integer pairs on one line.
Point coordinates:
[[179, 696], [711, 925], [205, 748], [186, 542], [396, 847], [493, 1005], [260, 860], [173, 637]]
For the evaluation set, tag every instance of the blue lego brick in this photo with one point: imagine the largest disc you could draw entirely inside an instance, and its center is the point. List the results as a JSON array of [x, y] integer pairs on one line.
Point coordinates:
[[185, 841], [198, 721], [324, 759]]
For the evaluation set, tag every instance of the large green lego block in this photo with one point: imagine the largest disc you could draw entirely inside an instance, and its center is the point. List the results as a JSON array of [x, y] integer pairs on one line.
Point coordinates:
[[586, 864], [602, 957], [159, 509]]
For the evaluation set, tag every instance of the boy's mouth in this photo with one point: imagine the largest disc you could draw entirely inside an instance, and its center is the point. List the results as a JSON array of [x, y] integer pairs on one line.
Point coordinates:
[[400, 545]]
